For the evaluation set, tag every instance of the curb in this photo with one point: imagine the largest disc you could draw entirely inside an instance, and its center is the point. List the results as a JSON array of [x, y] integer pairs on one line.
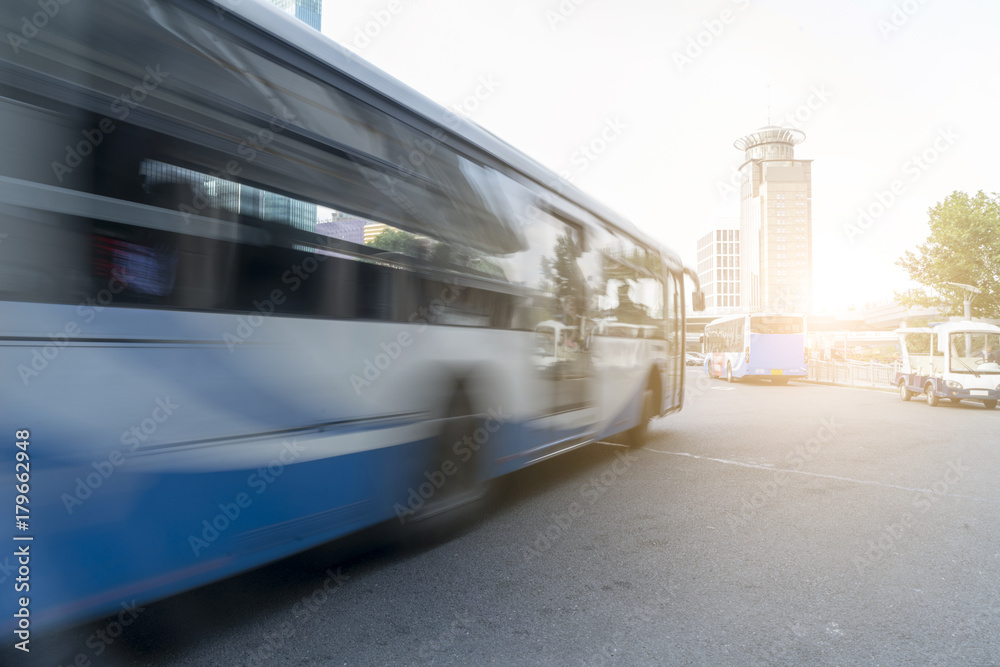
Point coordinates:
[[886, 388]]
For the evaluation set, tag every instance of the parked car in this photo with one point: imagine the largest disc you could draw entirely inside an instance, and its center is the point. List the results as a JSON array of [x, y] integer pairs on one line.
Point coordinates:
[[694, 358]]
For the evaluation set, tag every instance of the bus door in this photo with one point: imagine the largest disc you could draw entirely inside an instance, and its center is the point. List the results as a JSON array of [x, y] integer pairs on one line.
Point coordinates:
[[561, 378]]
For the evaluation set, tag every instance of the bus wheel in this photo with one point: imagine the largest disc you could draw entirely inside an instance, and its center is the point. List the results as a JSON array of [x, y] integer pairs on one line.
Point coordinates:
[[990, 403], [932, 399], [452, 503], [637, 435], [904, 391], [729, 373]]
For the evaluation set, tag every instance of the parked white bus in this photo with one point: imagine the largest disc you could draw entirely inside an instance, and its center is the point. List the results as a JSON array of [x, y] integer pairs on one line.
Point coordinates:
[[756, 345], [954, 361]]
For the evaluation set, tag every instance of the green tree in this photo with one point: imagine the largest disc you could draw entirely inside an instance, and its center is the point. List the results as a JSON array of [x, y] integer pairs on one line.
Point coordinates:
[[396, 240], [963, 247], [561, 274]]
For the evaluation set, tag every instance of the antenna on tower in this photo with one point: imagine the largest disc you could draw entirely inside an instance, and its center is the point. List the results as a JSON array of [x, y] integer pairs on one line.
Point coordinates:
[[769, 104]]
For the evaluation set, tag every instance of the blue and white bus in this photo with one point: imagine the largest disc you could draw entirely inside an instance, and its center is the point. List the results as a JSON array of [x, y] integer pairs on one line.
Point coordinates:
[[199, 378], [756, 345]]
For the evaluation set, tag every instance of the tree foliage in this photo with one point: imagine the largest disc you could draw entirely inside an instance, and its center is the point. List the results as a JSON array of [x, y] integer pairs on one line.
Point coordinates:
[[396, 240], [963, 247]]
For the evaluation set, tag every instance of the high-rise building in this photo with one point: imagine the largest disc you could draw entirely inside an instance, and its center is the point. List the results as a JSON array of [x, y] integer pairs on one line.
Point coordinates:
[[307, 11], [373, 229], [236, 198], [719, 270], [344, 227], [775, 222], [302, 214]]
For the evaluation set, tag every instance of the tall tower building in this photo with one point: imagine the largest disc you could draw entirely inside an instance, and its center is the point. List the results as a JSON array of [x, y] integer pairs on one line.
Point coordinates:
[[775, 222], [302, 214], [719, 270]]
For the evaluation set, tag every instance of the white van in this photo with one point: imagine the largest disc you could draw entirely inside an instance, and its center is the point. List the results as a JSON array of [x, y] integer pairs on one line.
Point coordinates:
[[954, 360]]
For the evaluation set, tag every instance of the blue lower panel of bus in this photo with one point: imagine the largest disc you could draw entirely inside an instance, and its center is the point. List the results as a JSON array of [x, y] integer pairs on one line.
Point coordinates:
[[107, 535], [100, 541]]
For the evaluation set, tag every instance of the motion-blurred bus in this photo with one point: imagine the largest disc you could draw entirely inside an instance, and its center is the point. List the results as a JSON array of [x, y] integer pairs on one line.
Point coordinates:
[[756, 345], [208, 364]]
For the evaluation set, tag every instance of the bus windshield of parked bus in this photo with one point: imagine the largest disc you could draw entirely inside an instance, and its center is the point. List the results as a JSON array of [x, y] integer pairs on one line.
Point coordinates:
[[975, 352], [776, 324]]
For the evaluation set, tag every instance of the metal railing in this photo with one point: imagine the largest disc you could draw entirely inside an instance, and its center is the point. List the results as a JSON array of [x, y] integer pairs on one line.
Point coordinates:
[[853, 373]]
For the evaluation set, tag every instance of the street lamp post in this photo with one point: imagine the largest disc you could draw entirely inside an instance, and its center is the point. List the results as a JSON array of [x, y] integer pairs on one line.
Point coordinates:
[[969, 293]]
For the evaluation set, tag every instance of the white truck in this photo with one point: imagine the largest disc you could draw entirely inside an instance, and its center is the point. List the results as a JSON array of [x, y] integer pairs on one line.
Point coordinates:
[[953, 360]]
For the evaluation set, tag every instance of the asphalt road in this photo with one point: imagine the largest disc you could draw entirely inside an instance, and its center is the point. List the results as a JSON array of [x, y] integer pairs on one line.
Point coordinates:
[[797, 524]]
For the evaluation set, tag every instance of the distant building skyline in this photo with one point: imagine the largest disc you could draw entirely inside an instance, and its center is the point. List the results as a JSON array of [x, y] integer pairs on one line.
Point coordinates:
[[719, 268]]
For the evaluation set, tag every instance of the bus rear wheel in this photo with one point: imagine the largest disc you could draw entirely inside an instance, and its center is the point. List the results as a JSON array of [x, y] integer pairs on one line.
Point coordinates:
[[729, 373], [904, 391], [452, 503], [932, 398]]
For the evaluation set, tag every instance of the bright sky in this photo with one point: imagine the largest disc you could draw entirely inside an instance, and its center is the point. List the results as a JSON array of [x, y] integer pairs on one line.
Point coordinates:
[[662, 89]]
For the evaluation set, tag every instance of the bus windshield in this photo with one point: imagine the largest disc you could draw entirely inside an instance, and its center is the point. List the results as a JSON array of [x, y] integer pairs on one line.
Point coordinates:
[[775, 325], [975, 352]]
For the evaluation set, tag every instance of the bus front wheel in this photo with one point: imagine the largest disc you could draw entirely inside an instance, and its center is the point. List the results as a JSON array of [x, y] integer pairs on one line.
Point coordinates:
[[637, 435], [932, 398], [904, 391], [990, 403]]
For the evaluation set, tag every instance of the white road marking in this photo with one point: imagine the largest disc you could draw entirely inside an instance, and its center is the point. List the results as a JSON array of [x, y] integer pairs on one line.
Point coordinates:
[[866, 482]]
